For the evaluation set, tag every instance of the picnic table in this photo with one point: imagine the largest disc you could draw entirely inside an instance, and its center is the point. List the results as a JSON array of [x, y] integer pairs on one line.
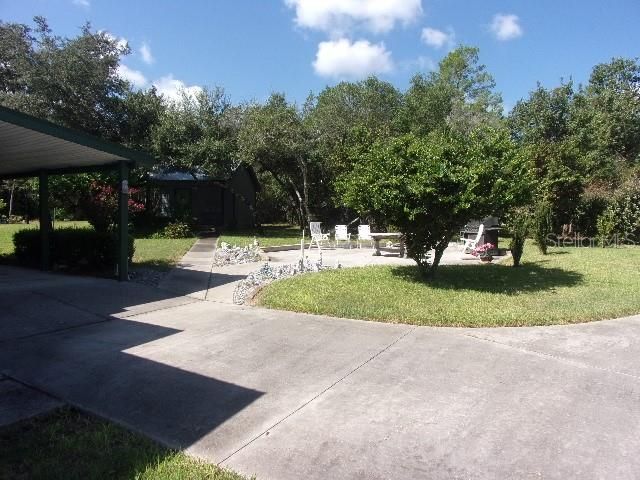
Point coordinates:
[[376, 237]]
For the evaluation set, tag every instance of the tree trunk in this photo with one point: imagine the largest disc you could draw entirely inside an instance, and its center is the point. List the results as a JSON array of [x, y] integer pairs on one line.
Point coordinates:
[[430, 270], [300, 205], [13, 187], [305, 189], [292, 193]]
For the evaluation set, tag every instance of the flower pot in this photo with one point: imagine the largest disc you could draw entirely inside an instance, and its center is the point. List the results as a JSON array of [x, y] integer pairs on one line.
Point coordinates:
[[486, 259]]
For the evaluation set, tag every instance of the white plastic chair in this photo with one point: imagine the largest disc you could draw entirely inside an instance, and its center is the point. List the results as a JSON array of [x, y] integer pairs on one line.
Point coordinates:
[[470, 244], [364, 234], [316, 234], [342, 235]]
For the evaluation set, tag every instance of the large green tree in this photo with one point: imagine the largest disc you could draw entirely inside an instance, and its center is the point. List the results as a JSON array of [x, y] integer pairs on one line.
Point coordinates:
[[606, 120], [542, 126], [71, 81], [198, 134], [273, 138], [429, 186], [460, 95]]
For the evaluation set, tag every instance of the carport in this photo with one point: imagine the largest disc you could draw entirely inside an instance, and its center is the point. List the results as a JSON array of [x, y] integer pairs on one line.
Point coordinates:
[[31, 147]]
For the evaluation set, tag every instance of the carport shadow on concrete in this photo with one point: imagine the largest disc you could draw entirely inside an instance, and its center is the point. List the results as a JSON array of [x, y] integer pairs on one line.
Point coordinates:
[[68, 336], [89, 368]]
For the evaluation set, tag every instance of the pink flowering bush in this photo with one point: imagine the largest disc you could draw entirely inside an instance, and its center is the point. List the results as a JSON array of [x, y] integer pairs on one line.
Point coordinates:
[[102, 207], [483, 250]]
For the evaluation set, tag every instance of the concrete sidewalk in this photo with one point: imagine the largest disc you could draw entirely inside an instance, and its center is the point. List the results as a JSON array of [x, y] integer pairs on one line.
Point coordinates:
[[284, 395]]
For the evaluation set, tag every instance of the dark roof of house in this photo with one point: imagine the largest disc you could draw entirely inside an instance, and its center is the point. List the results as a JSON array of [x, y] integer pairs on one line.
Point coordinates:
[[174, 175]]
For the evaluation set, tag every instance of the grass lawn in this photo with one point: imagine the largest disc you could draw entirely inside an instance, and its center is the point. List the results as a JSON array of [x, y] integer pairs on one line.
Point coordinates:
[[269, 236], [67, 444], [158, 253], [566, 286]]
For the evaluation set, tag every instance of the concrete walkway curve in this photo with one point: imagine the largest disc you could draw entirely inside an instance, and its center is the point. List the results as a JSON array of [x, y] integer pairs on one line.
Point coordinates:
[[287, 396]]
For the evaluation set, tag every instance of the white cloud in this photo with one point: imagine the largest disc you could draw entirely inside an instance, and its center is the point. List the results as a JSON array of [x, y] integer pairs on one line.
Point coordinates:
[[344, 59], [136, 77], [172, 88], [82, 3], [339, 16], [421, 63], [145, 53], [506, 26], [121, 42], [437, 38]]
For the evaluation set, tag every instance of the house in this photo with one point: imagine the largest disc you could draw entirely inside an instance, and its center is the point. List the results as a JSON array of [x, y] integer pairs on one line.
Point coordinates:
[[204, 200]]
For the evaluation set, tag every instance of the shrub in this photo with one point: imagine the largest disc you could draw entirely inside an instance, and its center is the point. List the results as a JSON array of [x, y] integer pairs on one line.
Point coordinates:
[[177, 230], [626, 208], [102, 207], [430, 186], [74, 248], [592, 204], [542, 224], [622, 216], [518, 224], [606, 226]]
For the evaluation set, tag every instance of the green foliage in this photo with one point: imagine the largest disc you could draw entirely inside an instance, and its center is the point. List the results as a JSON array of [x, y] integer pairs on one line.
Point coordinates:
[[274, 139], [542, 224], [622, 216], [177, 230], [72, 82], [518, 222], [72, 248], [102, 206], [607, 224], [429, 187], [3, 206], [606, 119], [198, 134], [592, 204], [459, 95]]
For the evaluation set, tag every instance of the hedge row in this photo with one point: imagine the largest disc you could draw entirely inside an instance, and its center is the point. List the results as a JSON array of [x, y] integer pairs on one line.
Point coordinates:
[[71, 248]]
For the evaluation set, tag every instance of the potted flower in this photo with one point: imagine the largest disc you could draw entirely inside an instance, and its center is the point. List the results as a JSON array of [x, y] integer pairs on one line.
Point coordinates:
[[483, 252]]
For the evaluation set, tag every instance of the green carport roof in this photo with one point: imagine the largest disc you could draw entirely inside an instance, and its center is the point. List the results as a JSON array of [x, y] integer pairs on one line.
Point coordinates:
[[29, 146]]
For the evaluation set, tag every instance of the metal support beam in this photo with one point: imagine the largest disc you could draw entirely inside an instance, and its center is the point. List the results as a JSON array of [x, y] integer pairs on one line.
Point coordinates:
[[123, 221], [45, 221]]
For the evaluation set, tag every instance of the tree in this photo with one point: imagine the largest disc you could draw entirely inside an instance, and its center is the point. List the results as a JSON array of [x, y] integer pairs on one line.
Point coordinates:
[[459, 96], [606, 120], [428, 187], [73, 82], [198, 134], [274, 139], [542, 126]]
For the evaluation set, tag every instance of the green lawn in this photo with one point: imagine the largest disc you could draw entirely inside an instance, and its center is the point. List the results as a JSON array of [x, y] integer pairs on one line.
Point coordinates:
[[67, 444], [566, 286], [268, 236], [159, 253]]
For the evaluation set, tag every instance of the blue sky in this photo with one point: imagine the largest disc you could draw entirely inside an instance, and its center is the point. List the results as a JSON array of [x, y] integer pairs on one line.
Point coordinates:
[[254, 47]]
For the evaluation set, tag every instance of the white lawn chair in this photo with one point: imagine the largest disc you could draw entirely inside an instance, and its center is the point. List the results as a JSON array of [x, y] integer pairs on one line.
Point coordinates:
[[469, 243], [342, 235], [317, 235], [364, 234]]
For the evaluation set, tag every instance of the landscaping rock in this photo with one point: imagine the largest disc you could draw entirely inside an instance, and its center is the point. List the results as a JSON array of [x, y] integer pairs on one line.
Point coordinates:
[[268, 273], [226, 254]]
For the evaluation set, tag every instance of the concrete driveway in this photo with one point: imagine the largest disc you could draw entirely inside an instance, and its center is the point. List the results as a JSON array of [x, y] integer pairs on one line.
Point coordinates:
[[285, 395]]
